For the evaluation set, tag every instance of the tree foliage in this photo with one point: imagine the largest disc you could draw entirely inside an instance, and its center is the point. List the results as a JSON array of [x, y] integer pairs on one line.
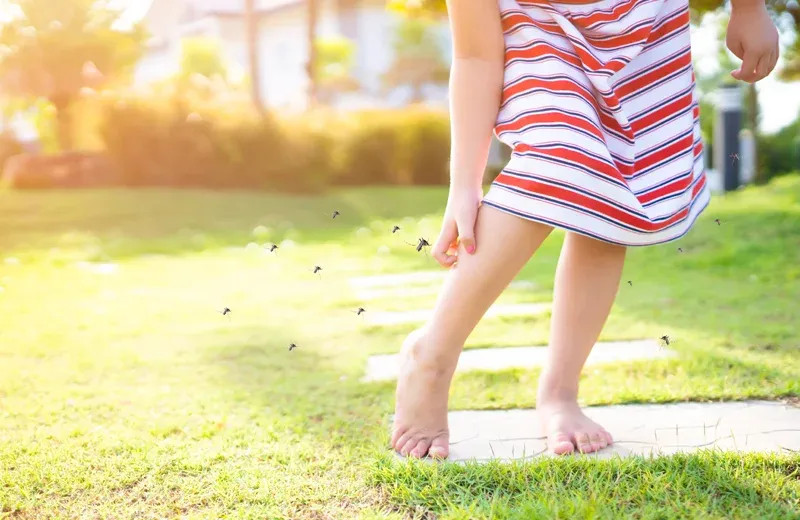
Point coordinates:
[[418, 57], [334, 67], [202, 56], [54, 49]]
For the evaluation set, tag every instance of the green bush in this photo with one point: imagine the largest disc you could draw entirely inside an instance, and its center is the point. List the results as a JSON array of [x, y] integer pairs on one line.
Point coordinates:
[[779, 153], [166, 143], [426, 147], [371, 149]]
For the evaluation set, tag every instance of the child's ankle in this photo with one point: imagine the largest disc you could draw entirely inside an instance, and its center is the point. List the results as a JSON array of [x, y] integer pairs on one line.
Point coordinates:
[[555, 388], [427, 355]]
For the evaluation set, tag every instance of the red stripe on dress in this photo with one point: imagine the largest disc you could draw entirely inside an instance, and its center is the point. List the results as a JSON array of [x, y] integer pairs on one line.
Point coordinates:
[[569, 154], [561, 85], [662, 114], [554, 116], [652, 76], [590, 203], [674, 149]]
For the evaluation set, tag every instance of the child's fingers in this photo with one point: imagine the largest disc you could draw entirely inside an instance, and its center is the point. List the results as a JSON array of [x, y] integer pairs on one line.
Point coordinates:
[[763, 68], [776, 54], [466, 231], [447, 236], [747, 70]]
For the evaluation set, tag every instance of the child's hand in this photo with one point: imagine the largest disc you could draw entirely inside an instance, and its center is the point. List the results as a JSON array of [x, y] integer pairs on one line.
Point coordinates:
[[753, 38], [458, 225]]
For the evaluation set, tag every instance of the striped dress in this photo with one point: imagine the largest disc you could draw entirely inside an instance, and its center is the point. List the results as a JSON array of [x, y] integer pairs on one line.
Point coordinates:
[[600, 110]]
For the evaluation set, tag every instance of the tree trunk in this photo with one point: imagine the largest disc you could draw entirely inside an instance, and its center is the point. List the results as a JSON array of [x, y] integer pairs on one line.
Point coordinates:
[[416, 92], [252, 21], [63, 123], [311, 35]]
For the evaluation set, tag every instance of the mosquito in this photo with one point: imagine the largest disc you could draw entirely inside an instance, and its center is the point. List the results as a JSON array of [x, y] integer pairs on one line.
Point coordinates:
[[717, 221], [680, 250], [335, 214], [665, 340], [317, 269], [226, 312], [395, 229], [359, 311], [272, 248], [630, 283], [422, 243], [734, 157], [292, 346]]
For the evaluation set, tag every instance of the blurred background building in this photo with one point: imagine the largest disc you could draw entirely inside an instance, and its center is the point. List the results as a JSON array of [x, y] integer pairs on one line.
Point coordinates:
[[369, 29]]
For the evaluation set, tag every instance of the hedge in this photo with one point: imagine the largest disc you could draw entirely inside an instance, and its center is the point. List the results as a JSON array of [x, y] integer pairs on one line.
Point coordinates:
[[170, 144]]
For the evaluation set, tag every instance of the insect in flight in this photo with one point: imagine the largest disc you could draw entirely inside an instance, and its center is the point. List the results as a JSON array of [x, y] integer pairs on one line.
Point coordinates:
[[292, 346], [272, 248], [395, 229], [359, 311], [226, 312], [422, 243], [665, 340], [717, 221], [316, 271], [335, 214], [630, 283], [734, 157], [680, 250]]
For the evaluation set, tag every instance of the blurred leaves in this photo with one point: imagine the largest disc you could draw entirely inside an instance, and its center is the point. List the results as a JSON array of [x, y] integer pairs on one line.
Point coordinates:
[[202, 56], [418, 57], [335, 59], [59, 50]]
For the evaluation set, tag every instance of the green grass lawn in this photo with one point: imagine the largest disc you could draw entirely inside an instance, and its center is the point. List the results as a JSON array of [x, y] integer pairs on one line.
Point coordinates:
[[125, 394]]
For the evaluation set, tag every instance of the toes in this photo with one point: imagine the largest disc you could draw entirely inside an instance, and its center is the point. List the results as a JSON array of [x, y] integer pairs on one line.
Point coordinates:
[[560, 444], [598, 441], [583, 443], [421, 449], [409, 445], [400, 438], [440, 448], [609, 438]]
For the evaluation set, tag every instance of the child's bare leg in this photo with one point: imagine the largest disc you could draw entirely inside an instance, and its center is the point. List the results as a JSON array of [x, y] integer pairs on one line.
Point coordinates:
[[586, 284], [504, 244]]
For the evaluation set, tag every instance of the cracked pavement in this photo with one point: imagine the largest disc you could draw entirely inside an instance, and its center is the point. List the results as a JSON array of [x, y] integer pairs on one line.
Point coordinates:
[[665, 429]]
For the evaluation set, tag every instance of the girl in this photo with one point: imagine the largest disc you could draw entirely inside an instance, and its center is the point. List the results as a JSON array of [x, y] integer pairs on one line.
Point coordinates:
[[597, 101]]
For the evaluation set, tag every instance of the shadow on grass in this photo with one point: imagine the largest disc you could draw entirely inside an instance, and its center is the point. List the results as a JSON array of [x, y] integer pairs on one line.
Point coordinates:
[[313, 394], [127, 223]]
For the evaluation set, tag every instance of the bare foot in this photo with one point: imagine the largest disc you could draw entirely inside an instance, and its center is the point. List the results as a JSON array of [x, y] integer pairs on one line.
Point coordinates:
[[568, 429], [420, 421]]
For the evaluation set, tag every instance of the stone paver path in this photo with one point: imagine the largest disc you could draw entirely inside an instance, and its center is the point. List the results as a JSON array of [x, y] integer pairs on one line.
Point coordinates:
[[646, 430], [386, 367], [415, 316]]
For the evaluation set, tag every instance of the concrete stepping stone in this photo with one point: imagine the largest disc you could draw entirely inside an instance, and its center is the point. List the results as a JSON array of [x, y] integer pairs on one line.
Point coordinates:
[[497, 310], [386, 367], [646, 430]]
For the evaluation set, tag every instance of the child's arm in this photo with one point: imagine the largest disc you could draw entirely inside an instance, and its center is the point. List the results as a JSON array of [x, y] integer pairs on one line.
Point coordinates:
[[476, 84], [753, 38]]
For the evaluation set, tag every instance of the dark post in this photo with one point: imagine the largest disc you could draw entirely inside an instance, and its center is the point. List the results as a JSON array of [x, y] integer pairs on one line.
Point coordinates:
[[726, 135]]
